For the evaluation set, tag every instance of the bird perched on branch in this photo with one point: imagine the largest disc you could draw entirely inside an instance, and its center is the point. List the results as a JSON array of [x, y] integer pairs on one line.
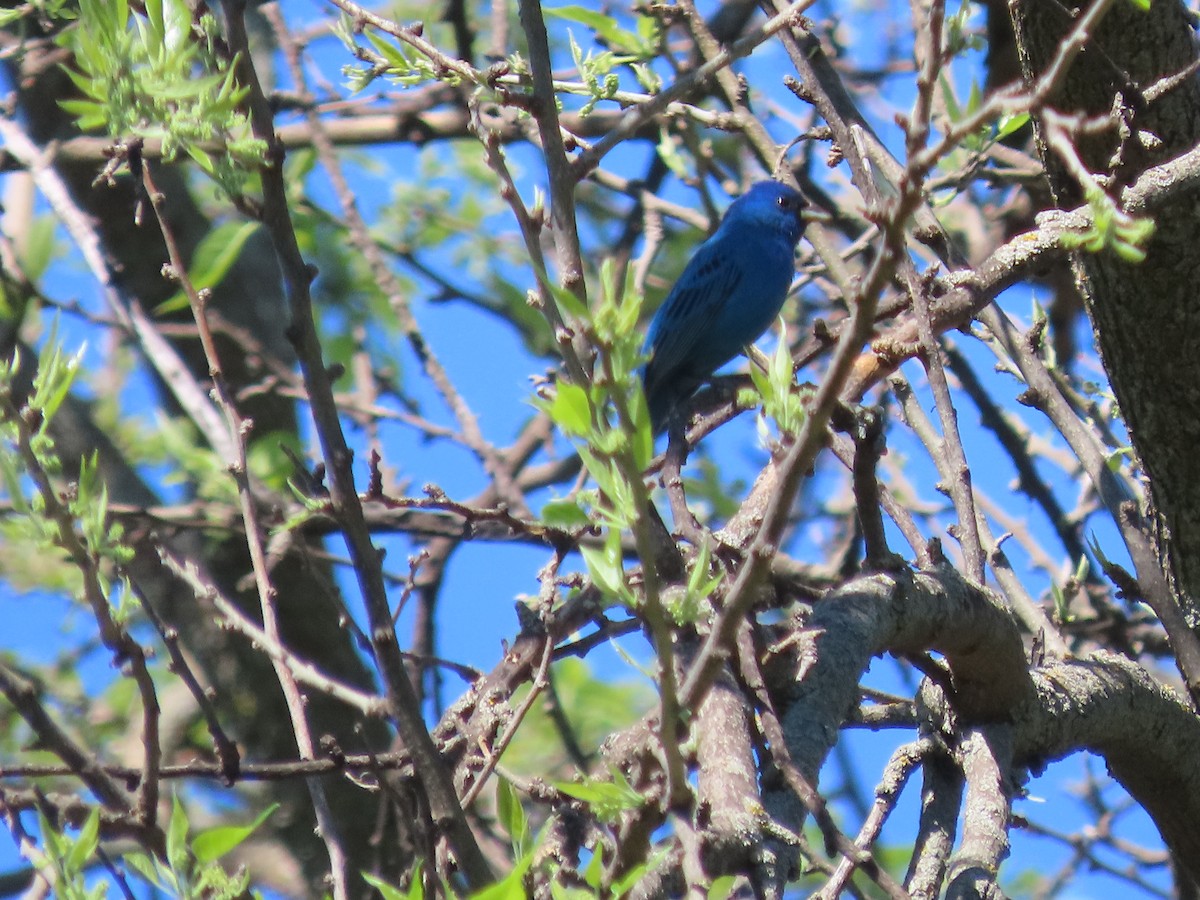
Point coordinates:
[[730, 292]]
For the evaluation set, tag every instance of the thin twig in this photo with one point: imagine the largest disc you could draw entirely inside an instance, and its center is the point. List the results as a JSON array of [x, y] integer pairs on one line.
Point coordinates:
[[402, 701], [238, 466]]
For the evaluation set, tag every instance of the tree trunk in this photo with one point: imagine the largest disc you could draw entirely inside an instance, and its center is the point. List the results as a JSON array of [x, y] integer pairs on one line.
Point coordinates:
[[1146, 317]]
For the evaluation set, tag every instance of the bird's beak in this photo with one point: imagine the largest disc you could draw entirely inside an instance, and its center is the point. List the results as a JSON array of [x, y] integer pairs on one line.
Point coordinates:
[[808, 214]]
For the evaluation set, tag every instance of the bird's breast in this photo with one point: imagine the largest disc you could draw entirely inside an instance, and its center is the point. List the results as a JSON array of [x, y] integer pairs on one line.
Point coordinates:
[[766, 270]]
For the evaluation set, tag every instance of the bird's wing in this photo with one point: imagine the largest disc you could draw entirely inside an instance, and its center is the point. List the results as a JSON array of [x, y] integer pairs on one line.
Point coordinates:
[[689, 311]]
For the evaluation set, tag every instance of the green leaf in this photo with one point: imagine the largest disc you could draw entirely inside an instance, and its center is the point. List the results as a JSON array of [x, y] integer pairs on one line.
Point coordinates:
[[512, 886], [948, 98], [1081, 570], [144, 866], [700, 584], [975, 98], [721, 888], [1116, 457], [570, 305], [55, 845], [565, 514], [1062, 610], [648, 29], [593, 875], [1094, 545], [512, 816], [668, 152], [213, 259], [214, 843], [177, 830], [87, 842], [1130, 252], [604, 565], [643, 438], [12, 484], [781, 367], [39, 247], [605, 28], [85, 484], [55, 375], [608, 799], [1010, 123], [390, 51], [647, 78], [599, 470], [157, 24], [390, 892], [626, 883], [571, 409]]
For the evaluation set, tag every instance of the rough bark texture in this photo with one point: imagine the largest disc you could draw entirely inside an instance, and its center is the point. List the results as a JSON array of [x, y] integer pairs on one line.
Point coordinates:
[[1114, 708], [1146, 316], [1105, 704]]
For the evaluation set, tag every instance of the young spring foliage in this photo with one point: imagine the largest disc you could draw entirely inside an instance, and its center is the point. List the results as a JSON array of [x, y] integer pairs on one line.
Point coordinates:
[[776, 386], [164, 79], [191, 868], [1112, 229], [53, 516], [610, 423]]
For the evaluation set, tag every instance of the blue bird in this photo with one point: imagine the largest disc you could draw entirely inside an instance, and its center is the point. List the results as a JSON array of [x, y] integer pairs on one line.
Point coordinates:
[[730, 292]]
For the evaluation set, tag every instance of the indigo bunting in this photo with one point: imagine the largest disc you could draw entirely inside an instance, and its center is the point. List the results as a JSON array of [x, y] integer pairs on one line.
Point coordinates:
[[729, 293]]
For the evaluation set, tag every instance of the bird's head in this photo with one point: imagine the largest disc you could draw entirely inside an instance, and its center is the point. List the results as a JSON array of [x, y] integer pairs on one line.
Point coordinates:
[[773, 205]]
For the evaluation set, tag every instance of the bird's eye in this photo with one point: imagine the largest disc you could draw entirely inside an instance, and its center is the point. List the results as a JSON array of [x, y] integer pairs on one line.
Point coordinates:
[[786, 203]]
